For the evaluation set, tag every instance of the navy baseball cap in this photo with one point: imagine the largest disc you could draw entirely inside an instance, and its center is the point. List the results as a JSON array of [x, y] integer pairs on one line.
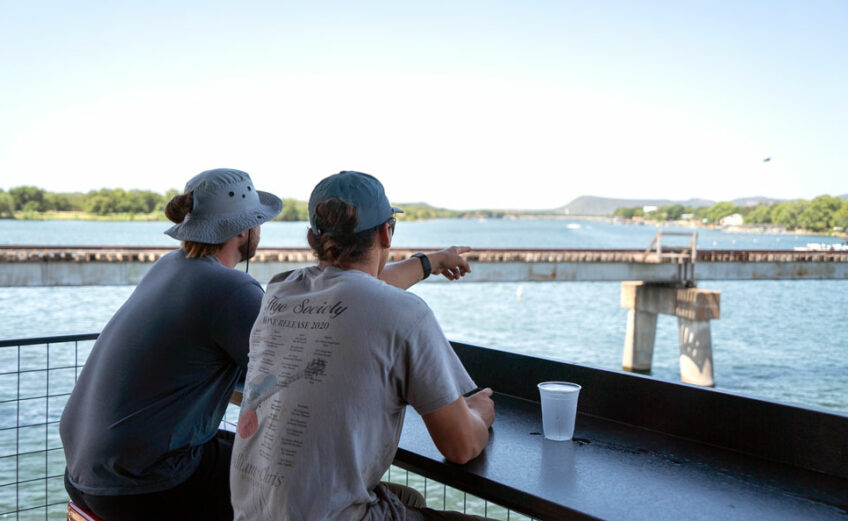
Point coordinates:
[[364, 192]]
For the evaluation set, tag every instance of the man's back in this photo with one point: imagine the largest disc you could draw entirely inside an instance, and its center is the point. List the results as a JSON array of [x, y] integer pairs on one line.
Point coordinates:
[[335, 358], [156, 383]]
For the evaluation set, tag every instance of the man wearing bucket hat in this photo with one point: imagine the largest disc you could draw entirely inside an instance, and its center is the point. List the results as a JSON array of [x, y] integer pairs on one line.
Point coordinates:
[[336, 355], [140, 429]]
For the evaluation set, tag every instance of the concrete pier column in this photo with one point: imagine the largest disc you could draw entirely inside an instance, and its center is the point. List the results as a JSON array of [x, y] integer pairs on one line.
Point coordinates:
[[696, 352], [639, 342], [694, 309]]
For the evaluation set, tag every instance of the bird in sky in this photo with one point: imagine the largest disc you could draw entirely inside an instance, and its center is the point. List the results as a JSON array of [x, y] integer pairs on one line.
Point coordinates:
[[766, 160]]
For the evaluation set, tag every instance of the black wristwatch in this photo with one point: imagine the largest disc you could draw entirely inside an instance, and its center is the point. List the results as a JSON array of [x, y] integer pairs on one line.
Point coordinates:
[[425, 263]]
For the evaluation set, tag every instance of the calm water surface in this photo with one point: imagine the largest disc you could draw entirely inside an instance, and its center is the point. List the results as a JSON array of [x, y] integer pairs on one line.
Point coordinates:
[[478, 233], [779, 340]]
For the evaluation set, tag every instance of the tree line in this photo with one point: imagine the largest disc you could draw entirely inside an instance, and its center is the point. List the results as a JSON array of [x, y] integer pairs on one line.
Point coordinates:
[[822, 214], [25, 201], [30, 202]]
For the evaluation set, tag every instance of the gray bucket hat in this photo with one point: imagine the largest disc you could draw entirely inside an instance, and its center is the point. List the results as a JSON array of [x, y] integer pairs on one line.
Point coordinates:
[[225, 204], [363, 191]]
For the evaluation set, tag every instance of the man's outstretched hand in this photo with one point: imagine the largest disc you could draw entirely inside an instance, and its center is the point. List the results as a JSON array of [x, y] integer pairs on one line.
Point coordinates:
[[449, 262]]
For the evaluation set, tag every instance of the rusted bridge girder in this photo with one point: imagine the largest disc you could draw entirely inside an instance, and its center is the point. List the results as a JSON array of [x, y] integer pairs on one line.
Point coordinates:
[[152, 253], [87, 265]]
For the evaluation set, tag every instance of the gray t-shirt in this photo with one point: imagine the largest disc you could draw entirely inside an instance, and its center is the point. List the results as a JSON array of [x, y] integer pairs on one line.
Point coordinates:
[[335, 358], [159, 377]]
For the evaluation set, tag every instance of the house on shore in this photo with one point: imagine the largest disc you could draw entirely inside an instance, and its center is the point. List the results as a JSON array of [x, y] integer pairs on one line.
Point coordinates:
[[734, 219]]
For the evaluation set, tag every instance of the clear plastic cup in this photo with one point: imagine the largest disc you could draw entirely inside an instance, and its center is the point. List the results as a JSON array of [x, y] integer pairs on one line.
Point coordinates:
[[559, 409]]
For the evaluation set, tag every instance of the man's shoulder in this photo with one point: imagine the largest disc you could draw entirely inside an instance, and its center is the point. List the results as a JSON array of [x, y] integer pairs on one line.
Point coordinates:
[[354, 284], [396, 301], [215, 274], [236, 279], [279, 277], [297, 275]]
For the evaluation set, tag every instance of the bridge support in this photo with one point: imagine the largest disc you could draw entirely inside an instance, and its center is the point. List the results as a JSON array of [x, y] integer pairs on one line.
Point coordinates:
[[693, 307]]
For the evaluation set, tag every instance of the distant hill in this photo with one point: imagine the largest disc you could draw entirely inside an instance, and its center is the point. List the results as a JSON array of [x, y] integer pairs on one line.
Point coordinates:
[[591, 205], [844, 196], [754, 201]]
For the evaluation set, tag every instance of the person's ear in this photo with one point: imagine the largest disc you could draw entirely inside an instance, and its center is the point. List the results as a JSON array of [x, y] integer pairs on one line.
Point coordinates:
[[385, 233], [312, 239]]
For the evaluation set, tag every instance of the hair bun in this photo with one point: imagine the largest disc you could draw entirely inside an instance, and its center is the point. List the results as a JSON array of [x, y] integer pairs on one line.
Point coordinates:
[[178, 207]]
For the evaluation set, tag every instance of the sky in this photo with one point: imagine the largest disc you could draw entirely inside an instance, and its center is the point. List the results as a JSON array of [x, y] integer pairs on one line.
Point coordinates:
[[459, 104]]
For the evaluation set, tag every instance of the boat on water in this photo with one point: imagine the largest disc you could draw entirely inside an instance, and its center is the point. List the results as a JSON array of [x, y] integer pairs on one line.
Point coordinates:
[[820, 246]]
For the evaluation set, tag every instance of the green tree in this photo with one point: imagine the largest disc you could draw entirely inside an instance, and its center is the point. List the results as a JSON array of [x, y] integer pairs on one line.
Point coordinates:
[[674, 212], [720, 210], [629, 213], [761, 214], [656, 215], [818, 215], [293, 210], [840, 216], [30, 198], [625, 213], [419, 211], [133, 202], [76, 200], [122, 201], [111, 201], [701, 213], [149, 200], [786, 214], [289, 213], [99, 205], [7, 205], [101, 202], [143, 201], [58, 202]]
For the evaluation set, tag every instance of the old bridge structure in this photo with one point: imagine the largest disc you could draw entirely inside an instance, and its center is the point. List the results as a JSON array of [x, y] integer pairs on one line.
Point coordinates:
[[654, 281]]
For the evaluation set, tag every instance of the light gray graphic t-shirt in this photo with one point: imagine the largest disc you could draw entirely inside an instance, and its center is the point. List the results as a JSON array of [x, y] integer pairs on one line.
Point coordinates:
[[335, 358]]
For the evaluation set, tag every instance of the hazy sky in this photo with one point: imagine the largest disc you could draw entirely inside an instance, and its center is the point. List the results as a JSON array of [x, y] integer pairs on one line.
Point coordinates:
[[459, 104]]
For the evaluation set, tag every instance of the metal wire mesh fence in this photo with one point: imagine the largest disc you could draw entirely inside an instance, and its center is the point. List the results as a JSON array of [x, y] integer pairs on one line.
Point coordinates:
[[37, 376], [442, 497]]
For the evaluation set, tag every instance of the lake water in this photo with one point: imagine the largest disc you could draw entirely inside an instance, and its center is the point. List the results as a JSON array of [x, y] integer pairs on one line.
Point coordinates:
[[478, 233], [780, 340]]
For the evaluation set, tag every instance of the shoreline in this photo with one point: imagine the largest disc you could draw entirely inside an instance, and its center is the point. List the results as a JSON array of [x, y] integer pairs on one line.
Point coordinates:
[[738, 229]]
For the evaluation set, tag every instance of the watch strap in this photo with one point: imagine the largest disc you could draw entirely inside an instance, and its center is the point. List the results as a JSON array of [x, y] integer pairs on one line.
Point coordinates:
[[425, 264]]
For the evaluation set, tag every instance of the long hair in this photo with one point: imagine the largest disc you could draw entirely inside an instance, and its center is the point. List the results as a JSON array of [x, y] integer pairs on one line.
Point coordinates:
[[176, 210], [335, 242]]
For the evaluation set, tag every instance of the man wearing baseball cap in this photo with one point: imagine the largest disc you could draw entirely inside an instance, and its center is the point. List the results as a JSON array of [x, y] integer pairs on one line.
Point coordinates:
[[336, 355]]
